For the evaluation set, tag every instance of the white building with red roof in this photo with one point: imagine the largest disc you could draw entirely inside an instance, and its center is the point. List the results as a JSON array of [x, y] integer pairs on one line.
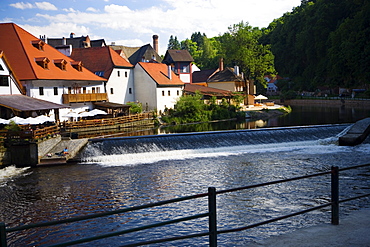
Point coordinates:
[[157, 86], [108, 64], [47, 74]]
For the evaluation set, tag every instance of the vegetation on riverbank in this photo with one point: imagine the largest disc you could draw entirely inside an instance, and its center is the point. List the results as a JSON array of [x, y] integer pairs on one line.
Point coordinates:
[[192, 108], [265, 114]]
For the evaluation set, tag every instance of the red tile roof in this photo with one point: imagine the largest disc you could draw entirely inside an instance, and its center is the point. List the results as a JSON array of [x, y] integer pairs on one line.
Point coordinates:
[[100, 59], [23, 50], [158, 72], [18, 83], [208, 91]]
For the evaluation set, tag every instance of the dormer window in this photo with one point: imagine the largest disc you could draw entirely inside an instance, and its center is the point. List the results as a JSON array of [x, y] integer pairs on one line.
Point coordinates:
[[77, 65], [39, 44], [43, 62], [60, 63]]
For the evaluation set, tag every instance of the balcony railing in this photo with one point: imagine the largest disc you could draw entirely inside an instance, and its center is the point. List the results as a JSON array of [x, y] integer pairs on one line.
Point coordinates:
[[84, 97]]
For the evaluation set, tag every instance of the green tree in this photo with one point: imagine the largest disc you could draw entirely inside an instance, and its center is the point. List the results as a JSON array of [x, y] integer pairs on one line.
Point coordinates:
[[135, 107], [240, 46], [173, 43]]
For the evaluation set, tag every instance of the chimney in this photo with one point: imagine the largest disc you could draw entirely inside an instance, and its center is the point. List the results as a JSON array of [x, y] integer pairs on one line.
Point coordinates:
[[221, 64], [64, 41], [169, 72], [155, 43], [72, 35], [236, 70]]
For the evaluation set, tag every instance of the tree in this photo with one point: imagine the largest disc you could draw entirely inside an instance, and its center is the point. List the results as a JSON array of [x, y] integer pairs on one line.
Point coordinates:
[[173, 44], [240, 46]]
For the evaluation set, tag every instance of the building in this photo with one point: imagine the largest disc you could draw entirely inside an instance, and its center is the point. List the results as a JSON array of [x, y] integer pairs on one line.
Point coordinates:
[[157, 87], [144, 53], [106, 63], [48, 74], [181, 63]]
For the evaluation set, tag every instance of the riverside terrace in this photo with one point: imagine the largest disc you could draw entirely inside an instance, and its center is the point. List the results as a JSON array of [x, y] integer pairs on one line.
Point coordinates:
[[37, 141]]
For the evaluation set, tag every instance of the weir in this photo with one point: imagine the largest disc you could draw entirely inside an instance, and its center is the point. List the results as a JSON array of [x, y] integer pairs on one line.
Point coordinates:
[[249, 138]]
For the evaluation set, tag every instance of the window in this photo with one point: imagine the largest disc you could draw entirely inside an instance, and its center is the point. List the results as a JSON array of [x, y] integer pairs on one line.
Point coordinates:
[[41, 90], [98, 90], [118, 73], [130, 91], [111, 91], [169, 93], [162, 93], [39, 44], [125, 73], [55, 90], [84, 90], [93, 90], [4, 81], [178, 92], [69, 90], [43, 62], [1, 68], [99, 73], [60, 63], [77, 65]]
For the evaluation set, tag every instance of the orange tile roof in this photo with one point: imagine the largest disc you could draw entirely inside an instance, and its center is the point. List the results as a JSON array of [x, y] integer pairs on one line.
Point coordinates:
[[18, 83], [25, 52], [158, 72], [100, 59]]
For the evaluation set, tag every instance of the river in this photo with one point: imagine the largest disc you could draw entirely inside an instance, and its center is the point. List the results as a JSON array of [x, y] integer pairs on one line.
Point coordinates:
[[120, 172]]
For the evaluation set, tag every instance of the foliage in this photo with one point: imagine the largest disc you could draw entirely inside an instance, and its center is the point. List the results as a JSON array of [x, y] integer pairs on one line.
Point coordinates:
[[12, 126], [191, 108], [322, 43], [135, 107], [173, 44]]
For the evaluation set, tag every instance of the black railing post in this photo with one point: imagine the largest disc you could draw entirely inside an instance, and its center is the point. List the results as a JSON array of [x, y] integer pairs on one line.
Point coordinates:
[[334, 195], [212, 222], [2, 235]]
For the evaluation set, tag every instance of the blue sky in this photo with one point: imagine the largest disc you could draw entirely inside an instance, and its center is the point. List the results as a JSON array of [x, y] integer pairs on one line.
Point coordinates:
[[133, 22]]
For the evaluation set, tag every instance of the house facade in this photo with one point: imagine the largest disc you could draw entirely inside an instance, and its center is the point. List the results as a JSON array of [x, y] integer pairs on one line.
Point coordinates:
[[181, 63], [108, 64], [157, 87], [48, 74]]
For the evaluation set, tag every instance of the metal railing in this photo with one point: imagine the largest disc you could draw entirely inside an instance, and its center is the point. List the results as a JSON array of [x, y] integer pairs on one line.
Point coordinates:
[[212, 232]]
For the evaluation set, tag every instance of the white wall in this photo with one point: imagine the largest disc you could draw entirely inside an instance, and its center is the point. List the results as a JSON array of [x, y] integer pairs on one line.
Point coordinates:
[[168, 101], [120, 83], [145, 89]]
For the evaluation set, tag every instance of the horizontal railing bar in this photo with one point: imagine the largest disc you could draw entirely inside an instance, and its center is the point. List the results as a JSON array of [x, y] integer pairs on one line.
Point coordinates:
[[272, 182], [353, 167], [354, 198], [167, 239], [86, 217], [274, 219], [84, 240]]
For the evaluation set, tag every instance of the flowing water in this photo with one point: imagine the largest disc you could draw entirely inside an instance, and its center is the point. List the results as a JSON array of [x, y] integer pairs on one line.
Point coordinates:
[[116, 173]]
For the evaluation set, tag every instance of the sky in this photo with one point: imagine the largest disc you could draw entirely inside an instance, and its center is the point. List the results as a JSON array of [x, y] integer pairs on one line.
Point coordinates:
[[134, 22]]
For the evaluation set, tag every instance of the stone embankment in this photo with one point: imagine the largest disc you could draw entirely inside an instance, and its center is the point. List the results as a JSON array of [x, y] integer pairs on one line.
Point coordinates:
[[356, 134]]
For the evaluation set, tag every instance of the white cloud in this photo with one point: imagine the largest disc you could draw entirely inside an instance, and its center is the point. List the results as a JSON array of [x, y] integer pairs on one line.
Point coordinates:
[[57, 30], [22, 5], [45, 6], [72, 10], [37, 5], [91, 9]]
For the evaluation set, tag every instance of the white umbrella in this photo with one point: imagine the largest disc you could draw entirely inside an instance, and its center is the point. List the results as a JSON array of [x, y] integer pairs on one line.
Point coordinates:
[[4, 121], [72, 114], [44, 118], [17, 120], [31, 120], [98, 112], [260, 97], [86, 114]]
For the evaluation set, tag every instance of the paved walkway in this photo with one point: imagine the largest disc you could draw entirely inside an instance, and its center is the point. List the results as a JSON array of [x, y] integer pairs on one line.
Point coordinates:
[[353, 231], [73, 145]]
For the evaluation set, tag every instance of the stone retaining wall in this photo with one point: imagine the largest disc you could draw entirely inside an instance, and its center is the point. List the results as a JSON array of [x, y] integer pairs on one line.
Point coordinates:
[[334, 102]]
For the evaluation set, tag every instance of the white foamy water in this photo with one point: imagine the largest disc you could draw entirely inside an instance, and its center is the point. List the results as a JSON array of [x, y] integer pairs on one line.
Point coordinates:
[[327, 146], [11, 172]]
